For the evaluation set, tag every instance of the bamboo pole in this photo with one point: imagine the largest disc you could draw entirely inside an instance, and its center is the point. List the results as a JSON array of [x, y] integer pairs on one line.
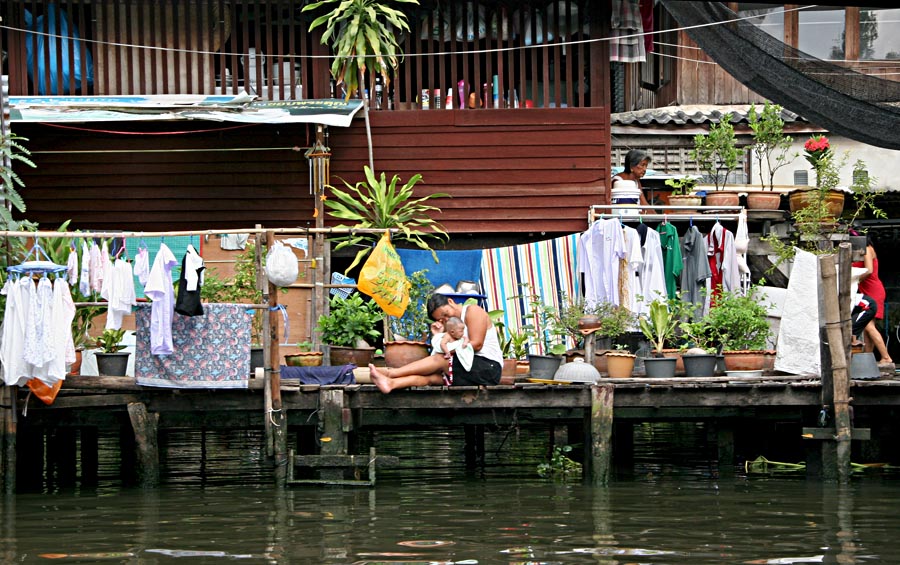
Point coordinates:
[[840, 379], [129, 234], [273, 372]]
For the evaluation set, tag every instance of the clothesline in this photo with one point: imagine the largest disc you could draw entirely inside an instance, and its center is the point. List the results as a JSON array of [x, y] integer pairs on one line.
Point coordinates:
[[133, 234], [704, 213]]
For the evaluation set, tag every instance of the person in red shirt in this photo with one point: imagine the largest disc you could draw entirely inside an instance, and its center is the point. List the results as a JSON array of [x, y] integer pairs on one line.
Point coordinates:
[[871, 285]]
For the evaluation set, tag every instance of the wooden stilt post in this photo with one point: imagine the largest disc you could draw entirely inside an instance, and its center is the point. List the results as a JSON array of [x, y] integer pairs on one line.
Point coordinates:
[[277, 417], [90, 460], [145, 426], [474, 447], [725, 444], [601, 425], [332, 429], [8, 438], [839, 378]]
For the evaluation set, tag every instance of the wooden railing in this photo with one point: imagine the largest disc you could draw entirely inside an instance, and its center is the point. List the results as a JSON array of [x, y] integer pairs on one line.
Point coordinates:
[[536, 56]]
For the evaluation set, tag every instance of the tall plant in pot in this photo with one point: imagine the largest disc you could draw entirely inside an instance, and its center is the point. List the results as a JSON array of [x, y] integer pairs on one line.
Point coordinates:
[[659, 327], [771, 151], [406, 337], [716, 154], [349, 327], [740, 324]]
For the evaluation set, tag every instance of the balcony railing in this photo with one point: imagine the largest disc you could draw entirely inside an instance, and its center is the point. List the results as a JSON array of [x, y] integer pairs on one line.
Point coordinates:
[[535, 55]]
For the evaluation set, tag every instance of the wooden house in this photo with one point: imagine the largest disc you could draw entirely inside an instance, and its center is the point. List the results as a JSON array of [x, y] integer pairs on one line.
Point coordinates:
[[528, 165]]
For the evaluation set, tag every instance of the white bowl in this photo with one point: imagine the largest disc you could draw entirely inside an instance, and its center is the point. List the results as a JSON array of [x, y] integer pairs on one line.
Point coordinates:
[[744, 374]]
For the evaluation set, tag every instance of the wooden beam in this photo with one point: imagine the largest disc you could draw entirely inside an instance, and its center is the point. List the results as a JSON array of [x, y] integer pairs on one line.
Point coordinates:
[[840, 378], [332, 438], [851, 33], [8, 439], [600, 434], [861, 434], [144, 424], [321, 461]]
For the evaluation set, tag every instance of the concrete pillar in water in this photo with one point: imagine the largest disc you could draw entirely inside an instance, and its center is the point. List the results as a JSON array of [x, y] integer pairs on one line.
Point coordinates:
[[598, 460]]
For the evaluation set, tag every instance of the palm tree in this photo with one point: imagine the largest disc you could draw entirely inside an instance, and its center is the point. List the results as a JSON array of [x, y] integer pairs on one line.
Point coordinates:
[[361, 33]]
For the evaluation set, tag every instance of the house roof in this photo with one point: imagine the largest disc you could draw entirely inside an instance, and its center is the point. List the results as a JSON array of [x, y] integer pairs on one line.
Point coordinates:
[[239, 108], [694, 114]]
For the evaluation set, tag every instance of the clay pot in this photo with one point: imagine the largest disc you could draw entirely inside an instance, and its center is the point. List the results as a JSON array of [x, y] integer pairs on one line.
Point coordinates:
[[509, 368], [746, 360], [403, 352], [675, 354], [589, 322], [684, 201], [304, 359], [722, 198], [834, 201], [763, 201], [620, 364], [350, 355]]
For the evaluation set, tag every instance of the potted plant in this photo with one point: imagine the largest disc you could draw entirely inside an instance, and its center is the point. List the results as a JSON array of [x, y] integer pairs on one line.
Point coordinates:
[[683, 193], [305, 357], [772, 151], [698, 350], [347, 328], [659, 327], [716, 154], [741, 326], [505, 339], [620, 362], [406, 337], [111, 360], [378, 204]]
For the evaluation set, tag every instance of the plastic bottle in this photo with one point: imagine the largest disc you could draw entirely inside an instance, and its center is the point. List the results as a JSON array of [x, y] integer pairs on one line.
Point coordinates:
[[379, 93]]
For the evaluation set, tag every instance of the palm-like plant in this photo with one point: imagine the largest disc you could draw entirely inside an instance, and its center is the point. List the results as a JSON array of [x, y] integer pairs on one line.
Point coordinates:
[[12, 150], [378, 204], [361, 33]]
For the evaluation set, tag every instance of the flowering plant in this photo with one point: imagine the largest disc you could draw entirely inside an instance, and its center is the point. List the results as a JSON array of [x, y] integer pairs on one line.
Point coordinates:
[[818, 150]]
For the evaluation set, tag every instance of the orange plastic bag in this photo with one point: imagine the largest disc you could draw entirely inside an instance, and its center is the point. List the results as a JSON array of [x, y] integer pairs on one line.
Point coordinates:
[[383, 278], [47, 394]]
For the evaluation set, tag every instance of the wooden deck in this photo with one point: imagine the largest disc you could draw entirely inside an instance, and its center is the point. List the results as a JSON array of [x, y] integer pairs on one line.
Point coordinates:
[[337, 412]]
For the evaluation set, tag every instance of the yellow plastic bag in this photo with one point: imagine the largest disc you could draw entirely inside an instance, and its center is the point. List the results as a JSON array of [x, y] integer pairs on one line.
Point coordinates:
[[383, 278]]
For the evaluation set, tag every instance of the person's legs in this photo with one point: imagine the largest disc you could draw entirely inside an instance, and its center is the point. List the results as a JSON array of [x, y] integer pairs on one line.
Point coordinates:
[[876, 342], [386, 383], [432, 365]]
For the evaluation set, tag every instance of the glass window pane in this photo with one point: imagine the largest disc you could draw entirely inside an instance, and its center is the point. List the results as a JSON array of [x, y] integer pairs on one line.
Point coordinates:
[[822, 33], [770, 19], [879, 34]]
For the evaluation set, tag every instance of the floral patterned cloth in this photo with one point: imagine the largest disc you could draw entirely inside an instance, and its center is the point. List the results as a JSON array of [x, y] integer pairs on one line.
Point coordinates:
[[209, 351]]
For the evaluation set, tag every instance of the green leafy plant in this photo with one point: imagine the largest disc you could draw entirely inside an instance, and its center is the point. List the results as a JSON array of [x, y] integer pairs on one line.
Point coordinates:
[[12, 150], [350, 321], [716, 152], [503, 337], [560, 466], [361, 33], [771, 146], [682, 186], [519, 341], [739, 322], [563, 320], [539, 324], [415, 322], [378, 204], [620, 346], [698, 334], [663, 320], [111, 341], [305, 346]]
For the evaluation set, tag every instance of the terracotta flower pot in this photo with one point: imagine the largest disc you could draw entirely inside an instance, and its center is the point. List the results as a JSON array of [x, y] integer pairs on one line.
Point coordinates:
[[834, 201], [304, 359], [403, 352], [763, 200], [620, 364], [340, 355], [747, 360], [685, 201], [509, 368], [722, 198]]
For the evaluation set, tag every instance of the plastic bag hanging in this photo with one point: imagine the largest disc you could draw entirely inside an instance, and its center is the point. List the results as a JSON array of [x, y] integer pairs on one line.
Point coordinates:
[[383, 278], [281, 265]]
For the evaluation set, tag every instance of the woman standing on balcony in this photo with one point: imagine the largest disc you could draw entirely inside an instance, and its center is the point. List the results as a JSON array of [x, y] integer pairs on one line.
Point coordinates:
[[626, 186], [871, 285]]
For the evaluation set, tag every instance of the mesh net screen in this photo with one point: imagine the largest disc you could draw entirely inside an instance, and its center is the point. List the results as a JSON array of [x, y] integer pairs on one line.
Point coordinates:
[[858, 106]]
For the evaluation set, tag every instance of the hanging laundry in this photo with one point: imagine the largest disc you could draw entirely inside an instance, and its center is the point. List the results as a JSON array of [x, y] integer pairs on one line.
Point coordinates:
[[632, 263], [38, 331], [741, 245], [696, 270], [62, 345], [626, 44], [118, 290], [96, 268], [598, 253], [84, 284], [723, 263], [233, 241], [671, 252], [192, 267], [72, 265], [651, 276], [159, 289], [142, 265]]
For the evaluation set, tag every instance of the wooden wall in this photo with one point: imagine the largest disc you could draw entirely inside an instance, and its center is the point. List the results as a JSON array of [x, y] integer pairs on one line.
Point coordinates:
[[509, 171], [705, 82]]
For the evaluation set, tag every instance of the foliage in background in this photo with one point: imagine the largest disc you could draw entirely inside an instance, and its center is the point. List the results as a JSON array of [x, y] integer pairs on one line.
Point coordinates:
[[362, 35], [739, 322], [12, 151], [560, 465], [378, 204], [349, 321], [771, 146], [614, 320], [682, 186], [415, 323], [716, 152], [664, 319]]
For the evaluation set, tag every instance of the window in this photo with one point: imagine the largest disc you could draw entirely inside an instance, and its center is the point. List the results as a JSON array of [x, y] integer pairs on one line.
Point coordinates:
[[879, 34], [822, 32], [769, 19]]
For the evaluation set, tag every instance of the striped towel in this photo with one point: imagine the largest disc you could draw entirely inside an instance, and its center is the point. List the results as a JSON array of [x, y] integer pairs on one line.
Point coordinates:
[[547, 266]]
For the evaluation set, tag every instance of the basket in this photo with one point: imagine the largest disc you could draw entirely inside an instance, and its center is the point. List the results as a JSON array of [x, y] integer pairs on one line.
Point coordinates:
[[337, 278]]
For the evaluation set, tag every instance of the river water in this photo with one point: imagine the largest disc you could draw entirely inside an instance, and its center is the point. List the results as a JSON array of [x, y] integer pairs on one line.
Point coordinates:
[[672, 508]]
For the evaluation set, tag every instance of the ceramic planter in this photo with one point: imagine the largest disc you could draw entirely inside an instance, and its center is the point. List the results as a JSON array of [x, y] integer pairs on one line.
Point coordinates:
[[620, 364], [339, 355], [304, 359], [685, 201], [722, 198], [834, 201], [749, 360], [402, 352], [699, 365], [763, 200]]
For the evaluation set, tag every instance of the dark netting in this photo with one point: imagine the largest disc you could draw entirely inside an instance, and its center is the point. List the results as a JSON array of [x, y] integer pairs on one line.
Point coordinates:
[[858, 106]]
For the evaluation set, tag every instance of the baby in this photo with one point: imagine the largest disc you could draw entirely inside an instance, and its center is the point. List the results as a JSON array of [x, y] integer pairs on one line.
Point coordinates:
[[450, 337]]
